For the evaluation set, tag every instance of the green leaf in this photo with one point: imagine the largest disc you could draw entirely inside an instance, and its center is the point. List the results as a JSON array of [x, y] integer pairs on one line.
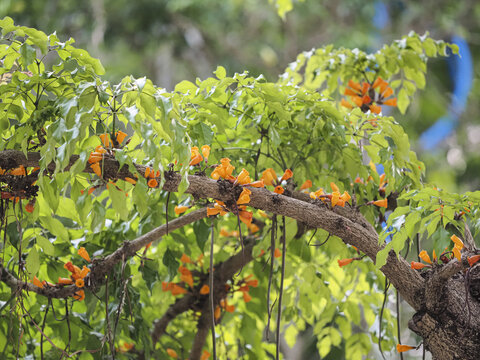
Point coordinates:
[[202, 233], [32, 263], [55, 227], [45, 245], [403, 101], [170, 261], [220, 73]]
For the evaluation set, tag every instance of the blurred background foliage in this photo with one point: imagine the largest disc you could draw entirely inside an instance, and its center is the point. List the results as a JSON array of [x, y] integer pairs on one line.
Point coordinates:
[[173, 40]]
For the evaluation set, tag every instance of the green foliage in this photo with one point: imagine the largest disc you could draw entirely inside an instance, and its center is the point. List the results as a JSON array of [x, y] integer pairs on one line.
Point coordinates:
[[54, 101]]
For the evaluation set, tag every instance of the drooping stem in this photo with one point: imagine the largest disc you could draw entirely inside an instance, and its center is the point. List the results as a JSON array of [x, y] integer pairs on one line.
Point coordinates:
[[212, 309], [279, 314], [270, 276]]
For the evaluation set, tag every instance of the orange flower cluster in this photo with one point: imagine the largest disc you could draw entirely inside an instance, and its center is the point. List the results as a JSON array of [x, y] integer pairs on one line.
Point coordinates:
[[100, 151], [336, 199], [369, 96], [270, 178], [456, 252], [244, 287], [196, 158], [458, 247], [77, 276], [186, 277], [17, 195], [219, 208], [225, 171], [151, 177]]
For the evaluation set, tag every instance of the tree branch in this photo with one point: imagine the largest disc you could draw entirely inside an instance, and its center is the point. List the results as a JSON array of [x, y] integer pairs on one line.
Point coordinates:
[[102, 267], [345, 226]]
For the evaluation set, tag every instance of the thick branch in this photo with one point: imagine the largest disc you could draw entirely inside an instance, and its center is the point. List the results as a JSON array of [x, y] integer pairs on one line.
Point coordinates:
[[356, 233], [180, 306]]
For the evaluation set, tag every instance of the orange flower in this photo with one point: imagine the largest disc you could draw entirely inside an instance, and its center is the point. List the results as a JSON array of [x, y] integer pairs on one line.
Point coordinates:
[[167, 286], [172, 353], [178, 290], [253, 228], [243, 178], [390, 102], [424, 256], [29, 207], [152, 183], [456, 253], [204, 290], [345, 196], [346, 104], [79, 283], [473, 259], [196, 160], [287, 175], [130, 180], [84, 254], [434, 256], [20, 171], [95, 157], [100, 149], [257, 184], [246, 297], [120, 135], [37, 282], [457, 241], [381, 203], [269, 176], [105, 139], [185, 259], [79, 295], [354, 85], [375, 109], [244, 197], [96, 169], [334, 187], [180, 209], [277, 253], [417, 266], [253, 283], [403, 348], [307, 184], [245, 217], [206, 152], [205, 355], [358, 180], [278, 190], [64, 281], [217, 312], [335, 198], [84, 272], [344, 262], [147, 172]]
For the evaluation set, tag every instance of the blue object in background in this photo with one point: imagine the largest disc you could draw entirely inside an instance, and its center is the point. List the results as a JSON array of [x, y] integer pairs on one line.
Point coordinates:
[[461, 72]]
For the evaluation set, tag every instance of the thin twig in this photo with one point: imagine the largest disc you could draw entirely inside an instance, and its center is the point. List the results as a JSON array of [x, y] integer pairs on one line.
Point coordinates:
[[109, 330], [67, 347], [212, 310], [272, 252], [166, 212], [398, 321], [385, 295], [279, 314], [43, 328]]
